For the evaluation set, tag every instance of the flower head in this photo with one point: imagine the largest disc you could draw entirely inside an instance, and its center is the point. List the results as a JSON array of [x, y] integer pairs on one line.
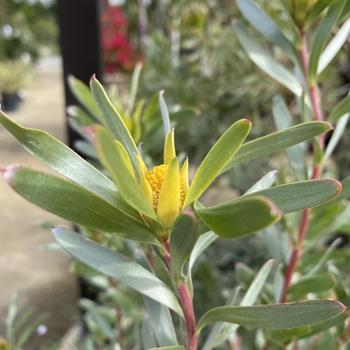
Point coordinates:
[[166, 185]]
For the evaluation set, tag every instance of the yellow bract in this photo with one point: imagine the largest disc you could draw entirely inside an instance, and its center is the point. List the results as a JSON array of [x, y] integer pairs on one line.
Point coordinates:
[[165, 185]]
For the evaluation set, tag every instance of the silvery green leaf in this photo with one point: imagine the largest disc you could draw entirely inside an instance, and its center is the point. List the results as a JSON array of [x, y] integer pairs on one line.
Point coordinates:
[[264, 60], [334, 46]]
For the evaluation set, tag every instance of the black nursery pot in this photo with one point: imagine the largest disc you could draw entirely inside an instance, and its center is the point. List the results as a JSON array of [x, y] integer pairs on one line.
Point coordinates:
[[10, 101]]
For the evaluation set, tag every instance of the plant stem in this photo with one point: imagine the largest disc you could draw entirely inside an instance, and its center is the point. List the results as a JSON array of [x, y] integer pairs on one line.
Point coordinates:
[[314, 95], [186, 303], [190, 318]]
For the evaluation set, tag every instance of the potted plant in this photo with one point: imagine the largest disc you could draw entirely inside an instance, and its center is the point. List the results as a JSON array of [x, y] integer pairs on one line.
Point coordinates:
[[14, 76]]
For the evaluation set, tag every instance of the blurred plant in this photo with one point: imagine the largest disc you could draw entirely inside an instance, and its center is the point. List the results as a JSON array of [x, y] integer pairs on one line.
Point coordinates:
[[25, 28], [20, 329], [14, 75], [118, 53], [194, 57], [142, 118], [314, 251], [146, 227]]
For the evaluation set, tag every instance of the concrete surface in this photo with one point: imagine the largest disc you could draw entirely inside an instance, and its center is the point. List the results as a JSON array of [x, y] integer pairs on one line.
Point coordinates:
[[41, 276]]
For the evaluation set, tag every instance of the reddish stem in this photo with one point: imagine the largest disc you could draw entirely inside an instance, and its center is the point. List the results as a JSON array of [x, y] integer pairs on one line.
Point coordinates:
[[167, 253], [304, 223], [316, 171], [190, 318]]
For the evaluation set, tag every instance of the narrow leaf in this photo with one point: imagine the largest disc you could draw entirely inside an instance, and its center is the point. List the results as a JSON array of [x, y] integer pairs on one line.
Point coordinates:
[[322, 34], [222, 331], [334, 46], [283, 120], [304, 194], [65, 161], [217, 158], [265, 25], [117, 266], [311, 284], [74, 203], [277, 141], [265, 182], [160, 315], [112, 120], [116, 160], [135, 80], [182, 240], [275, 316], [266, 62], [164, 113], [82, 93], [337, 134], [203, 242], [343, 107], [234, 219]]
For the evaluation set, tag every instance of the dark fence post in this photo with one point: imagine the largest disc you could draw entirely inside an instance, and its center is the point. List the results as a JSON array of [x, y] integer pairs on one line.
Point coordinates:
[[80, 44]]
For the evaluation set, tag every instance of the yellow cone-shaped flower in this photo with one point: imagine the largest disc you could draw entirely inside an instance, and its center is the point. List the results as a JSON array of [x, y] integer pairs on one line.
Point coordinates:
[[166, 185]]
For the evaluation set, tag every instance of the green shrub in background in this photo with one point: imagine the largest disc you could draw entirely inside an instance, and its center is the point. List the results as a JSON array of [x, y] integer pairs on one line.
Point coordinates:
[[137, 230], [147, 206], [26, 27]]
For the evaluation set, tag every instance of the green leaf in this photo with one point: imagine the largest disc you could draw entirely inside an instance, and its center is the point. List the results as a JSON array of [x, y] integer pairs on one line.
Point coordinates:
[[116, 160], [311, 284], [343, 107], [112, 120], [277, 141], [322, 34], [265, 182], [265, 25], [221, 331], [300, 195], [337, 134], [182, 240], [164, 113], [74, 203], [334, 46], [203, 242], [135, 81], [288, 335], [65, 161], [117, 266], [77, 113], [275, 316], [160, 315], [239, 217], [266, 62], [317, 9], [284, 120], [82, 93], [217, 158]]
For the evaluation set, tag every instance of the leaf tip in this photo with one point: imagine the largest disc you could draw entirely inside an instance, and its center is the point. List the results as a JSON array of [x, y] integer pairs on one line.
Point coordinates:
[[9, 172], [328, 126], [338, 186]]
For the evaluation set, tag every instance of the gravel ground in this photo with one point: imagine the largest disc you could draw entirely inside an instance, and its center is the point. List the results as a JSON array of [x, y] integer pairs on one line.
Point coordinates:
[[41, 276]]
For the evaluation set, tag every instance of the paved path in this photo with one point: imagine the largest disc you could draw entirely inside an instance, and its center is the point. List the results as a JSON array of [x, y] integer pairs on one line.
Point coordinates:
[[42, 277]]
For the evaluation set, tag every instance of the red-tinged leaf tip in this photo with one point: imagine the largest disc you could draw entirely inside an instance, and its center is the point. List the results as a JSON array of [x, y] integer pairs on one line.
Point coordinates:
[[93, 77], [329, 126], [248, 121], [342, 307], [9, 172], [338, 185]]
